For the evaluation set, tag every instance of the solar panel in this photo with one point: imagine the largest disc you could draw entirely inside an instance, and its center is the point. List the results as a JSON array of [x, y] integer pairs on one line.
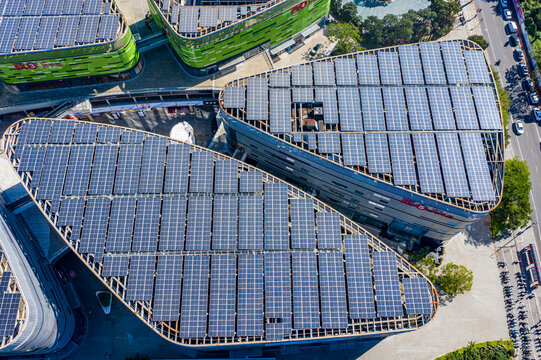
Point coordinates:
[[52, 177], [463, 108], [346, 74], [172, 223], [350, 109], [166, 306], [177, 169], [432, 63], [174, 15], [487, 110], [302, 224], [128, 167], [327, 96], [277, 295], [141, 277], [454, 63], [251, 182], [353, 150], [276, 219], [78, 175], [88, 28], [147, 220], [119, 237], [372, 105], [452, 165], [92, 7], [417, 294], [38, 132], [234, 97], [198, 228], [280, 110], [301, 75], [94, 227], [61, 132], [71, 212], [72, 7], [27, 34], [132, 137], [389, 68], [329, 143], [250, 224], [67, 31], [85, 133], [152, 168], [226, 177], [109, 25], [46, 35], [477, 167], [202, 172], [32, 160], [427, 163], [477, 67], [9, 308], [222, 295], [109, 134], [106, 8], [328, 231], [227, 13], [305, 290], [224, 222], [257, 102], [410, 63], [303, 95], [166, 5], [33, 7], [103, 170], [368, 69], [323, 73], [21, 140], [14, 8], [193, 314], [418, 108], [440, 105], [4, 282], [53, 7], [311, 139], [389, 302], [208, 16], [333, 290], [8, 32], [114, 265], [280, 79], [377, 153], [402, 159], [395, 108], [250, 295]]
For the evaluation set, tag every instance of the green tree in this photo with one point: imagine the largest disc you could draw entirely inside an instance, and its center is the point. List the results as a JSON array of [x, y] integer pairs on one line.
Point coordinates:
[[444, 16], [536, 50], [455, 279], [347, 38], [335, 7], [479, 40], [505, 103], [514, 209], [349, 14], [531, 27], [373, 33]]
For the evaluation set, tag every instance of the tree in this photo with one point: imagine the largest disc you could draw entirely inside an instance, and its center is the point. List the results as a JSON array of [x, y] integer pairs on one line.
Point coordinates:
[[348, 14], [536, 50], [336, 6], [531, 27], [444, 16], [455, 279], [514, 209], [479, 40], [347, 37], [373, 31]]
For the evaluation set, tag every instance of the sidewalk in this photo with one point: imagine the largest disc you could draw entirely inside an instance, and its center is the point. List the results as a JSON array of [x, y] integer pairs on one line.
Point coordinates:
[[470, 26]]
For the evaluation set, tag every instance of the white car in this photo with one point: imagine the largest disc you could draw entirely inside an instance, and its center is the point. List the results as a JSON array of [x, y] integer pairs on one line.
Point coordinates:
[[507, 14], [519, 127]]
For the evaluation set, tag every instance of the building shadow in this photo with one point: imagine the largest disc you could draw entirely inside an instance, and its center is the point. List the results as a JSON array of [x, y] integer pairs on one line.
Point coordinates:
[[478, 234]]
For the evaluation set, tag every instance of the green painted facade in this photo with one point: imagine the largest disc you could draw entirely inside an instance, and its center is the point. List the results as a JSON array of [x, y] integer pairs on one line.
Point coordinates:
[[274, 25], [92, 60]]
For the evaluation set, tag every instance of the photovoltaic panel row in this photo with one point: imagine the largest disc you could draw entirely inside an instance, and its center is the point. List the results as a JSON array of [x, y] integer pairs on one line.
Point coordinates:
[[305, 290], [277, 295], [387, 284], [173, 220], [350, 109], [141, 277], [477, 167], [95, 227], [128, 167], [257, 103], [330, 108], [462, 98], [487, 110], [87, 30], [359, 278], [225, 222], [250, 295], [152, 167], [147, 220], [389, 68], [119, 235], [27, 34], [395, 109], [103, 173], [8, 32], [52, 177], [53, 7], [454, 63], [227, 13], [333, 291], [67, 31], [250, 224], [71, 214], [72, 7], [440, 105], [85, 133], [280, 79], [109, 25], [346, 73], [368, 69], [92, 7], [353, 150], [328, 230], [61, 132], [226, 177], [78, 175], [167, 294], [193, 314], [198, 227], [177, 169], [329, 143], [14, 7], [418, 109], [234, 97], [9, 307], [174, 15], [251, 182], [222, 295], [432, 63], [411, 64], [202, 172], [477, 67], [427, 163], [188, 17], [402, 159], [276, 218], [302, 95], [417, 295], [33, 7], [301, 75], [324, 73], [280, 110], [302, 224], [372, 106], [377, 153], [208, 16], [456, 184], [115, 265], [132, 137]]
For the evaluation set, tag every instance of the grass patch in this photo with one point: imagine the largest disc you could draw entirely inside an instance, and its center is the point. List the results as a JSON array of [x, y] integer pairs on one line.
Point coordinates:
[[490, 350]]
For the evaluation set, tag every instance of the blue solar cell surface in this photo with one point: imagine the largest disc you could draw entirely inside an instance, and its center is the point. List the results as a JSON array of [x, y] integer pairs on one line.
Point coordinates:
[[173, 222], [372, 106], [128, 167], [377, 153], [302, 224], [198, 227], [119, 236], [250, 224], [202, 172], [360, 290], [333, 290], [224, 222], [103, 173], [305, 290], [168, 290], [387, 285], [79, 166], [427, 163], [95, 227], [222, 295], [353, 150], [140, 277], [328, 231], [452, 164], [276, 217], [250, 295], [177, 169], [152, 167], [417, 295], [147, 220], [277, 295], [395, 108], [402, 159], [193, 313], [226, 179]]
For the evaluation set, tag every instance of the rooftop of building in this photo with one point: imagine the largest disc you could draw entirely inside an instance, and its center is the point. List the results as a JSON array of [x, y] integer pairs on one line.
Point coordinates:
[[209, 251], [39, 25], [423, 117]]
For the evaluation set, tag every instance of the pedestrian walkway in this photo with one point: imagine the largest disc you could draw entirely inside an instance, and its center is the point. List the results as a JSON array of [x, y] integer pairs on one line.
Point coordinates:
[[468, 23]]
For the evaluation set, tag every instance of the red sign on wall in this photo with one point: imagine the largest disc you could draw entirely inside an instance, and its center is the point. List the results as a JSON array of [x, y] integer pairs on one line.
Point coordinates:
[[34, 66], [425, 208], [300, 6]]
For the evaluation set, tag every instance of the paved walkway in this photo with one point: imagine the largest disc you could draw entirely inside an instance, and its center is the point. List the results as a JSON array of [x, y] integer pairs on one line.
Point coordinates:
[[378, 8], [470, 25]]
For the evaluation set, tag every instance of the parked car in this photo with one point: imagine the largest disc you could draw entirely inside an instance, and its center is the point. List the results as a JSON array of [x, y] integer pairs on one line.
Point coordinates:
[[523, 70], [533, 99], [527, 84], [511, 28], [506, 14], [518, 54], [503, 4], [536, 114], [513, 40], [315, 49], [519, 127]]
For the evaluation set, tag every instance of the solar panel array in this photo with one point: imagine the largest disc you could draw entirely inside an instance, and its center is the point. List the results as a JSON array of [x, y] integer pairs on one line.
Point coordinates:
[[381, 110], [10, 302], [197, 254], [42, 25]]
